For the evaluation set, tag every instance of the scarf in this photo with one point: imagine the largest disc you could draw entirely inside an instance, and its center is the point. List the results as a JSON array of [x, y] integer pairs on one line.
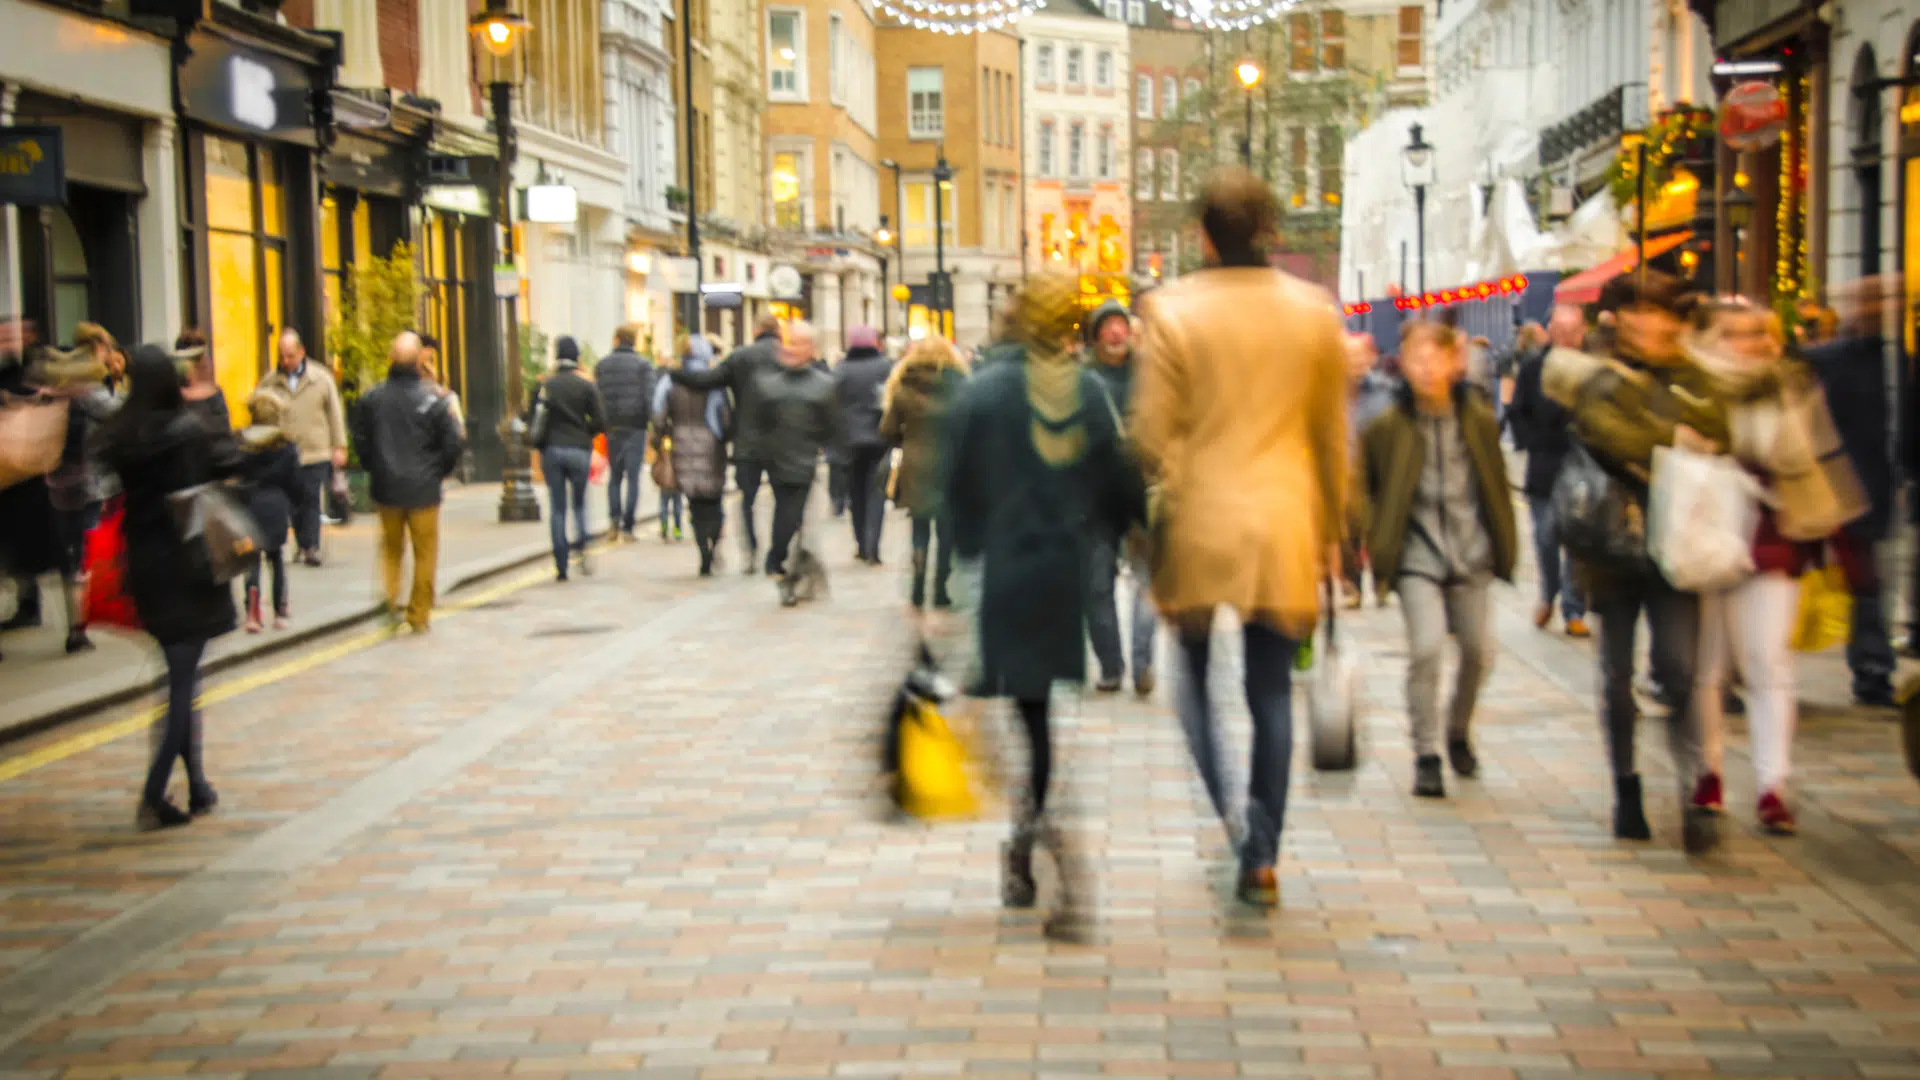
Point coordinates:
[[1049, 315]]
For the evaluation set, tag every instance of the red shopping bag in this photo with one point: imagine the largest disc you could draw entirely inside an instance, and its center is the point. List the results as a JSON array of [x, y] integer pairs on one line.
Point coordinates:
[[597, 468], [105, 565]]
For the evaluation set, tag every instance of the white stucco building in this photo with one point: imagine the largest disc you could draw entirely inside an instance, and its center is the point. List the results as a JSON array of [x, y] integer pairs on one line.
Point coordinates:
[[1078, 151], [641, 129]]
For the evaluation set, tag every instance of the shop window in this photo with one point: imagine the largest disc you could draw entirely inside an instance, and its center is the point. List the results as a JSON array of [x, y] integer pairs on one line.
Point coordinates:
[[72, 284], [246, 263]]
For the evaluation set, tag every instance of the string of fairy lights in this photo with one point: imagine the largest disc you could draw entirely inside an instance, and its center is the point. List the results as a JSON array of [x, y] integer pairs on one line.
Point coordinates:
[[980, 16]]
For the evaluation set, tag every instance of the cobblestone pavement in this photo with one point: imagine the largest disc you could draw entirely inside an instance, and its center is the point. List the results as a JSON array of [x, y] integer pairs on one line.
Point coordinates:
[[620, 826]]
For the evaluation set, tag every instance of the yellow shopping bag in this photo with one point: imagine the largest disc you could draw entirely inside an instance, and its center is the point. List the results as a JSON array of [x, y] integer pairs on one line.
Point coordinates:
[[1826, 610], [936, 769]]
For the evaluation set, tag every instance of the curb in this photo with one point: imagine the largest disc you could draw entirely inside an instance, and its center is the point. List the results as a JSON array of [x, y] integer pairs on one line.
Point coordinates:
[[464, 577]]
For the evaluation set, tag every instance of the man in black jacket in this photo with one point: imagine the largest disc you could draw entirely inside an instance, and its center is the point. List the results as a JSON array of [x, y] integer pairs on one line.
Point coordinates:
[[626, 386], [1540, 429], [574, 415], [795, 412], [409, 442], [741, 374], [860, 384]]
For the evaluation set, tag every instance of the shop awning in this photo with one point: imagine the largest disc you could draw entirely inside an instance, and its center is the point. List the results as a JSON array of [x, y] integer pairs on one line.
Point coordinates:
[[1584, 287]]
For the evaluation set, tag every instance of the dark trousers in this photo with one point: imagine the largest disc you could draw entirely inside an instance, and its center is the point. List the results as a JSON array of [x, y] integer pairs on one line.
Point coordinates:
[[837, 476], [626, 457], [868, 501], [706, 516], [926, 527], [180, 739], [1103, 615], [1035, 720], [306, 512], [747, 476], [276, 558], [567, 469], [1673, 624], [1269, 688], [789, 510], [1550, 559], [1870, 646]]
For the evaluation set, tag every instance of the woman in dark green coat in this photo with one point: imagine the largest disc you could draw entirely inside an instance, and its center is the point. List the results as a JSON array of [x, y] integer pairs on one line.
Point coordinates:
[[1034, 466]]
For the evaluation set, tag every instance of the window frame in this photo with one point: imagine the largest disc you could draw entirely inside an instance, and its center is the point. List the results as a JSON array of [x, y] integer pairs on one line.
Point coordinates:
[[801, 148], [1074, 68], [1076, 149], [1103, 70], [1103, 152], [797, 94], [1137, 12], [938, 130], [1044, 160], [1169, 174], [914, 188], [1170, 95], [1417, 38], [1143, 92], [1146, 180], [1333, 39], [836, 64], [1043, 65], [1303, 58]]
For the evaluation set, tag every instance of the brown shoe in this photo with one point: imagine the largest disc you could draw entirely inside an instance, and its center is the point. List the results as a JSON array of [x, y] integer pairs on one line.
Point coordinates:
[[1259, 887], [1577, 628], [1542, 615]]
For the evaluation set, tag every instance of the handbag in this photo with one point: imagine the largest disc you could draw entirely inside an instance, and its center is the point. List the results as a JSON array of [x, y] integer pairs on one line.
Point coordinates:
[[33, 435], [339, 498], [106, 601], [1702, 510], [661, 470], [1330, 710], [221, 537], [1600, 521], [931, 767]]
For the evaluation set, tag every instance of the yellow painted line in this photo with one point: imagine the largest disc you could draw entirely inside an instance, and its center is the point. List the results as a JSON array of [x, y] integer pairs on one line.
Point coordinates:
[[141, 719]]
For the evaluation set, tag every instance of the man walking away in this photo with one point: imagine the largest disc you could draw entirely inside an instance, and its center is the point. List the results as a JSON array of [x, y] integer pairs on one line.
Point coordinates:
[[1109, 345], [626, 385], [741, 374], [1240, 408], [795, 413], [409, 442], [1441, 531], [310, 416], [1539, 427], [860, 385], [575, 414]]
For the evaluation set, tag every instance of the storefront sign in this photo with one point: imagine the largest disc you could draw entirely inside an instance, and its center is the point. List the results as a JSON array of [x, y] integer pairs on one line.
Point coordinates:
[[681, 272], [33, 168], [721, 294], [785, 283], [1753, 115], [247, 90], [459, 198], [552, 204], [506, 282]]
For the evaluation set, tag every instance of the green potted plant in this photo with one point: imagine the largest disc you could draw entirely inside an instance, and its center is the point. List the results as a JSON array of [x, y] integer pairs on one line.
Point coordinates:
[[381, 298]]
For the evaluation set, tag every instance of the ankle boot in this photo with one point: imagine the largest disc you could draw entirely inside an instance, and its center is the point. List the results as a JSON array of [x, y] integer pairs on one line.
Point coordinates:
[[1069, 921], [1017, 888], [1629, 815], [919, 579]]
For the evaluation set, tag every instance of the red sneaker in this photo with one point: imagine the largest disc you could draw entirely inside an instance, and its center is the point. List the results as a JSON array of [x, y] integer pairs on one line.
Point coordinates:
[[1774, 815], [1707, 794]]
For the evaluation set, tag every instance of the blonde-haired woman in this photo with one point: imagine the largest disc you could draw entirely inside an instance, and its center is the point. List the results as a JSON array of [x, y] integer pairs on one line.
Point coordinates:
[[922, 387]]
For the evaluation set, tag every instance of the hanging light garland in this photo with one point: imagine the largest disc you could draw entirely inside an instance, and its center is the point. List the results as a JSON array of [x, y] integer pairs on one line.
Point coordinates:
[[980, 16]]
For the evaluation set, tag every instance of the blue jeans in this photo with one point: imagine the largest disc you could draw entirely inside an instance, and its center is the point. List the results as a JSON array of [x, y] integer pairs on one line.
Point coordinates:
[[1103, 616], [1555, 568], [672, 503], [567, 469], [626, 457], [1269, 684], [180, 739]]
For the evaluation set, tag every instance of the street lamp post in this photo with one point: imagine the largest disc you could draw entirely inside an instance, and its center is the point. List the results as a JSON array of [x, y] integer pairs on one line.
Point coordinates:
[[1248, 73], [900, 247], [884, 236], [1417, 172], [499, 30], [942, 183]]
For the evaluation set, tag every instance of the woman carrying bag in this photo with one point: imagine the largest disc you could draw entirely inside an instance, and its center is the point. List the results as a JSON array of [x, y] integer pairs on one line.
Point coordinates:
[[158, 447]]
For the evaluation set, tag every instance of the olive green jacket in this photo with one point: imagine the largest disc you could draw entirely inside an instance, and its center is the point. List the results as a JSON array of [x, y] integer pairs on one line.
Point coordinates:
[[1392, 453]]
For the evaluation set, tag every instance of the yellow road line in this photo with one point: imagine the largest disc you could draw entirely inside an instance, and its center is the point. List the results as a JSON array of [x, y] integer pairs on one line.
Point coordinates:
[[226, 690]]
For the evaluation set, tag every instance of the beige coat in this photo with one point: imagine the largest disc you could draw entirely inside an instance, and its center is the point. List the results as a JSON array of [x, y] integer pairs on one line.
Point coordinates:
[[1240, 415], [311, 415]]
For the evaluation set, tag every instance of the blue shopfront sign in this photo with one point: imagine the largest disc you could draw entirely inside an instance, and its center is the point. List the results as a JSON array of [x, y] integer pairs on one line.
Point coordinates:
[[33, 167]]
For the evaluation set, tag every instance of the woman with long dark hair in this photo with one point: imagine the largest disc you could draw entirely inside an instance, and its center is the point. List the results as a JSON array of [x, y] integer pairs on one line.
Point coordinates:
[[158, 446]]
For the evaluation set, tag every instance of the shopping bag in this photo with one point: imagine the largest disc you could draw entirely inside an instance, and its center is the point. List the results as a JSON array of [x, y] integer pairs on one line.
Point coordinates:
[[104, 565], [1701, 513], [339, 498], [1826, 610], [597, 468], [1330, 707], [931, 766], [662, 469], [33, 435], [220, 534]]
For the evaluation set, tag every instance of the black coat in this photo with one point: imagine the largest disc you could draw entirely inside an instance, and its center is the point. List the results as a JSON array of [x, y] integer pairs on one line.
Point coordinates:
[[795, 415], [1853, 373], [408, 440], [175, 603], [575, 412], [860, 383], [272, 477], [1032, 524], [740, 374], [29, 540], [1540, 426], [626, 387]]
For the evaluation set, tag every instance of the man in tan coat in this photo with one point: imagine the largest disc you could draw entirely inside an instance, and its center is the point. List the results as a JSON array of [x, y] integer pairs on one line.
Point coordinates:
[[1240, 417], [313, 420]]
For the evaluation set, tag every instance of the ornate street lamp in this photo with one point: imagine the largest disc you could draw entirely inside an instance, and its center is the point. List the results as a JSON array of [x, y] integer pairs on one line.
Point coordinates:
[[1416, 170], [500, 30], [884, 236], [1249, 74], [942, 183]]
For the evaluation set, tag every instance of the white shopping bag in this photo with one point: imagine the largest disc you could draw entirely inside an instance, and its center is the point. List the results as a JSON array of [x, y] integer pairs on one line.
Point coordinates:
[[1702, 510], [1331, 721]]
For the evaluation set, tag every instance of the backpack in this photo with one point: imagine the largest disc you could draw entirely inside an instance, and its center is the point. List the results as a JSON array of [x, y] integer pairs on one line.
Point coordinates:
[[1599, 519]]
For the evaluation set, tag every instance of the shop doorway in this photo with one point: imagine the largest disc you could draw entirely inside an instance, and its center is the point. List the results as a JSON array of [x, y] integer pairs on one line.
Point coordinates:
[[79, 263]]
